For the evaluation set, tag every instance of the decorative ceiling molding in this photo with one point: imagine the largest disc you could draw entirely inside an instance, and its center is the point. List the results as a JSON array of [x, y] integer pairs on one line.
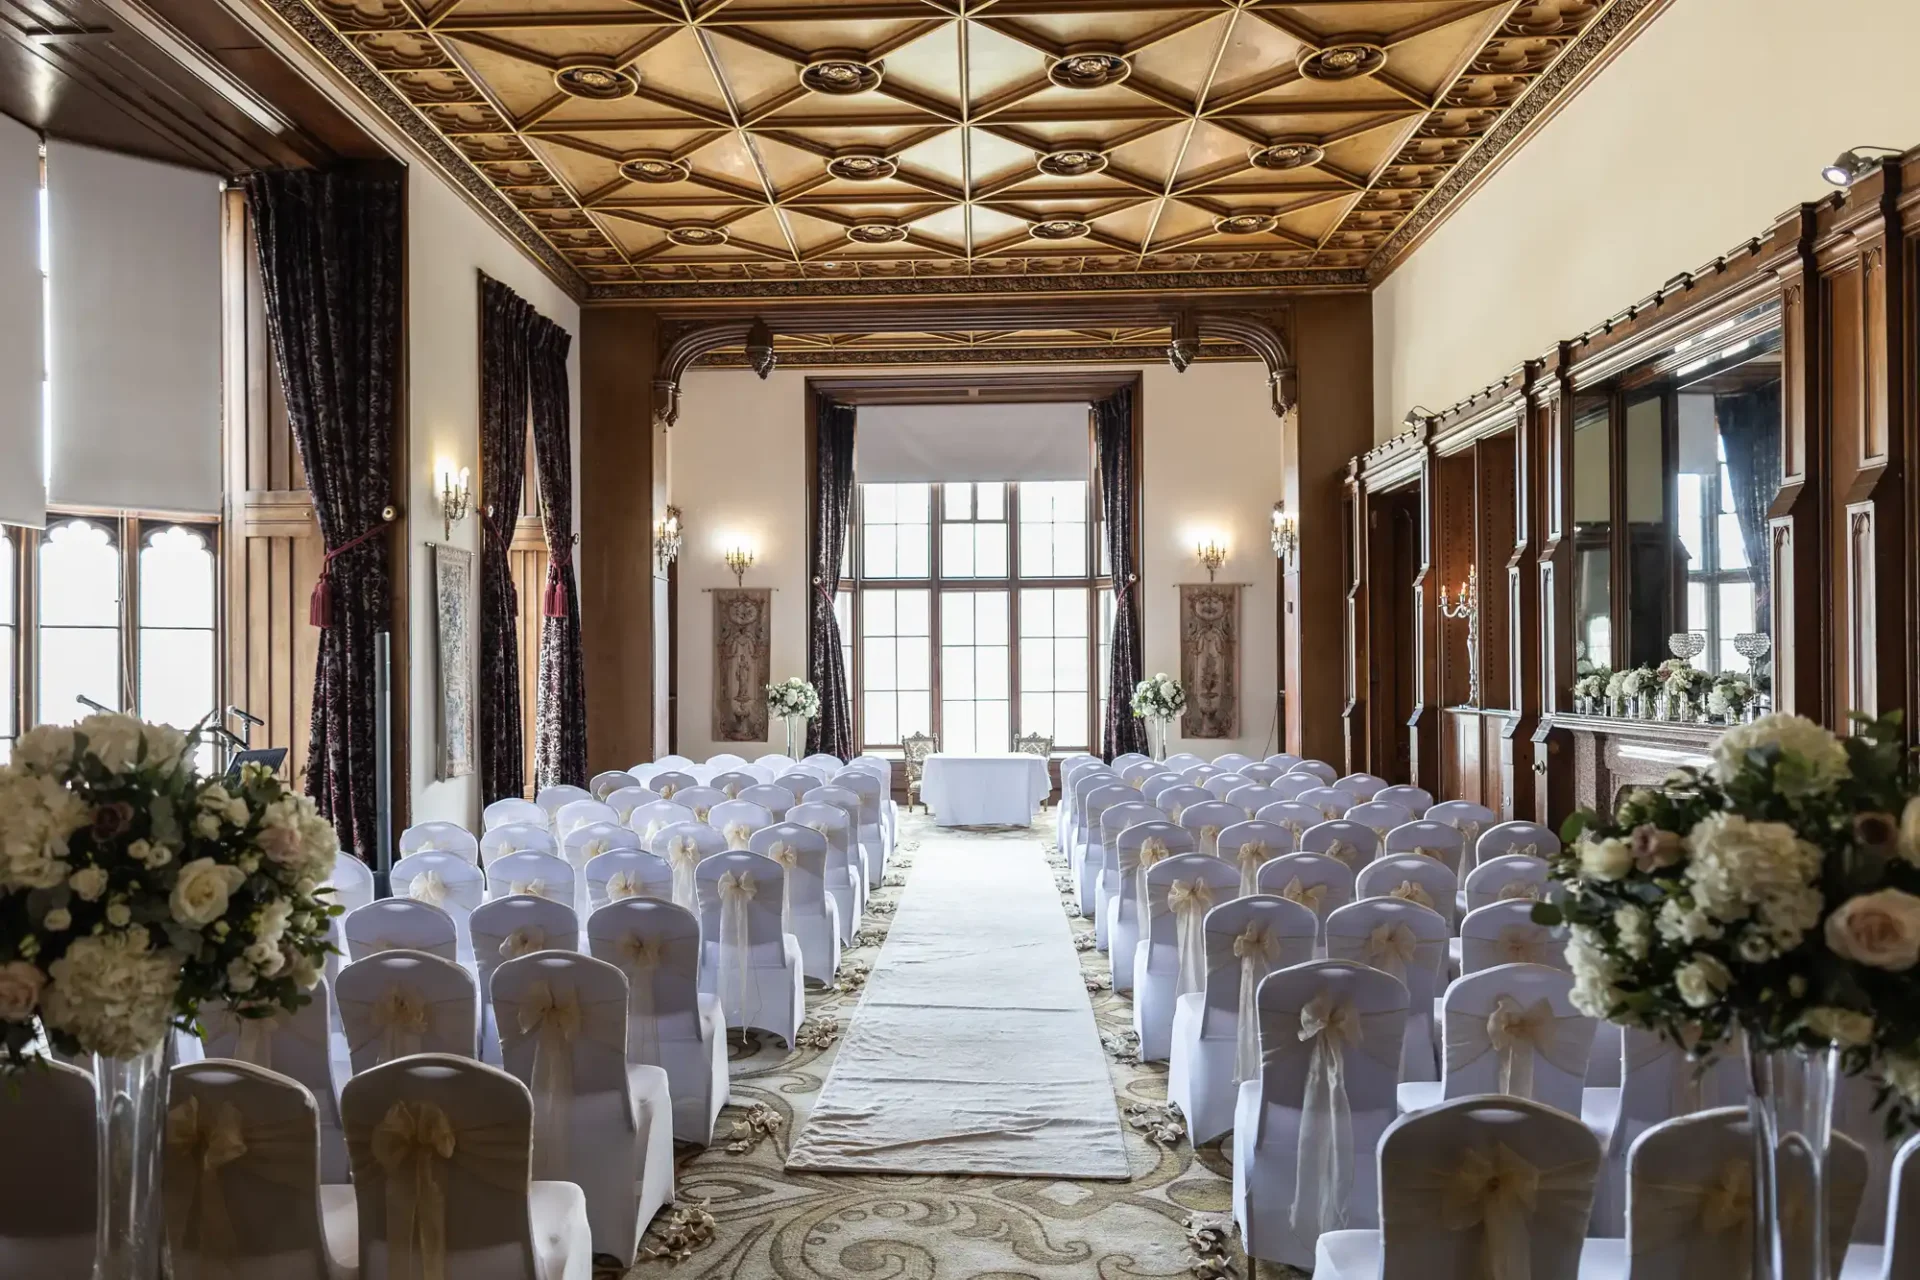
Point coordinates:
[[1109, 353], [725, 151]]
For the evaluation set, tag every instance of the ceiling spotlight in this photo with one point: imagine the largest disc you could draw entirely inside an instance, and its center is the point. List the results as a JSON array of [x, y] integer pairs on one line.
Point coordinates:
[[1854, 164]]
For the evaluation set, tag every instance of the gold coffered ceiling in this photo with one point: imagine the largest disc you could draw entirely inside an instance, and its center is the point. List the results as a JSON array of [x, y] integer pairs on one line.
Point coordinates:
[[795, 146]]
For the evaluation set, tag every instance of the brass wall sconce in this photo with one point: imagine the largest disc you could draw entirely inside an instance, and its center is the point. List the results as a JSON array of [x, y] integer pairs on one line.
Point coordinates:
[[456, 498], [1285, 533], [739, 559], [667, 538], [1212, 556]]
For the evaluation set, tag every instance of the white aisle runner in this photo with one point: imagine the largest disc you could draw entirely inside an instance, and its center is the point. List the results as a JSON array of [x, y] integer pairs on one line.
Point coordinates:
[[974, 1050]]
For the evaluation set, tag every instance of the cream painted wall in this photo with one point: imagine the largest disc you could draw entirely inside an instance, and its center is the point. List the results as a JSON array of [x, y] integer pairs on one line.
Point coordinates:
[[1715, 119], [1211, 466], [448, 243]]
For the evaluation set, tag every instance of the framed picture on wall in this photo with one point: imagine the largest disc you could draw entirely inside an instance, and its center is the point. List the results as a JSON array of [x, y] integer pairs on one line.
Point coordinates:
[[453, 632]]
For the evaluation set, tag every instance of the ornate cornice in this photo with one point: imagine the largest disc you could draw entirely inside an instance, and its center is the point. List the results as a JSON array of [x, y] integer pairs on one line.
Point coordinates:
[[361, 74], [925, 286], [1551, 90], [828, 358]]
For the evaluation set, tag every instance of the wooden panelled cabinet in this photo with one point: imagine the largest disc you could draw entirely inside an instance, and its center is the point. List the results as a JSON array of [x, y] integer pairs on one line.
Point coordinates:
[[1726, 457]]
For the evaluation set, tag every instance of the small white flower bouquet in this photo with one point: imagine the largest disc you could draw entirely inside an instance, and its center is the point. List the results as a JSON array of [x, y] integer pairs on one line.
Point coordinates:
[[1593, 685], [1678, 676], [793, 697], [1638, 682], [133, 891], [1159, 697], [1777, 892], [1732, 693]]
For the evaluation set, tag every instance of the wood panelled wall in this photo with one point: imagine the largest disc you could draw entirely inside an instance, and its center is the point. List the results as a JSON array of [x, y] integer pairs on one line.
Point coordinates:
[[1490, 483], [271, 549]]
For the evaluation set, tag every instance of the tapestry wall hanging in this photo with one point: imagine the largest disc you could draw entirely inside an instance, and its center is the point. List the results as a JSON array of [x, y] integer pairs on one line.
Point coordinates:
[[742, 663], [453, 631], [1210, 659]]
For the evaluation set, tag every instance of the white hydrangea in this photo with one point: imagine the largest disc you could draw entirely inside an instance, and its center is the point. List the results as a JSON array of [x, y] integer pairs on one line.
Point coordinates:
[[1812, 758], [112, 993], [1682, 922], [1635, 928], [1595, 973], [37, 815], [46, 748], [1756, 870], [114, 740]]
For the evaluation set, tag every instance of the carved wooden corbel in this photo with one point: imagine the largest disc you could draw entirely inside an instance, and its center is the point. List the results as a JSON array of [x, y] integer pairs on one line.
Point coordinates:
[[682, 350], [1263, 340]]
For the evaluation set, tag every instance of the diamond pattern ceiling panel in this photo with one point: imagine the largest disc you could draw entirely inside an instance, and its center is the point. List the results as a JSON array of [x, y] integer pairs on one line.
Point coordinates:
[[661, 141]]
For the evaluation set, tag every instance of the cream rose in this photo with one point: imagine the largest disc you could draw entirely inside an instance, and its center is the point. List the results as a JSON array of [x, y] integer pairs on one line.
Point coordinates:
[[1605, 859], [20, 985], [200, 894], [89, 883], [1842, 1026], [1880, 930], [1701, 980]]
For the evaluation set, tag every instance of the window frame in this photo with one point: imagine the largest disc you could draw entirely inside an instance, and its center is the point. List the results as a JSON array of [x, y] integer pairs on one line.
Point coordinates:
[[129, 530], [1094, 582]]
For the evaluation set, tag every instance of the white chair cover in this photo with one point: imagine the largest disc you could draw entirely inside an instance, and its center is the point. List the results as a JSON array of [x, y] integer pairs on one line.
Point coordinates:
[[584, 844], [405, 1002], [1379, 815], [351, 885], [1290, 785], [776, 800], [1477, 1189], [578, 813], [1155, 784], [605, 784], [1234, 760], [1364, 786], [441, 837], [516, 837], [1298, 819], [239, 1186], [1658, 1082], [845, 878], [442, 1149], [1170, 960], [1504, 933], [1207, 820], [1251, 797], [400, 924], [557, 797], [669, 1023], [752, 964], [737, 820], [1408, 942], [797, 781], [1690, 1198], [1468, 818], [625, 800], [443, 880], [685, 845], [873, 798], [1505, 878], [1512, 1030], [534, 875], [701, 800], [733, 782], [1261, 772], [598, 1122], [1134, 850], [1305, 1127], [1178, 761], [1283, 761], [512, 811], [775, 762], [1415, 800], [1317, 882], [650, 819], [1196, 775], [807, 912], [1351, 842], [1429, 839], [47, 1205], [1500, 838], [297, 1045], [1411, 878], [506, 929], [862, 854], [1316, 769], [1113, 821], [1221, 785], [1175, 801], [627, 873], [1332, 802], [1251, 845], [669, 783]]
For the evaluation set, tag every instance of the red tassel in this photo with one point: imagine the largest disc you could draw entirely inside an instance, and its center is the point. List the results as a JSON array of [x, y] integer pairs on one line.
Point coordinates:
[[556, 604], [320, 607]]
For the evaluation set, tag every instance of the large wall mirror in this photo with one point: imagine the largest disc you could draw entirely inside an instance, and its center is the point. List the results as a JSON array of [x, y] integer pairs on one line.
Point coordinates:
[[1676, 462]]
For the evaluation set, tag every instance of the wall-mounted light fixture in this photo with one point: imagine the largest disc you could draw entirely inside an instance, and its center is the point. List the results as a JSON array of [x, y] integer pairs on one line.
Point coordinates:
[[1417, 417], [1285, 533], [667, 537], [1855, 163], [760, 353], [739, 558], [456, 497], [1212, 556]]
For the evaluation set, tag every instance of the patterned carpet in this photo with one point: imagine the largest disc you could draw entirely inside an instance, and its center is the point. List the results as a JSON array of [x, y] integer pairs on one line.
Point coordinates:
[[740, 1216]]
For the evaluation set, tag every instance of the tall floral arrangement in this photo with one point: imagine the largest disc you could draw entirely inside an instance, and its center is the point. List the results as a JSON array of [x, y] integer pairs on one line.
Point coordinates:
[[1159, 697], [793, 697], [1776, 892], [133, 891]]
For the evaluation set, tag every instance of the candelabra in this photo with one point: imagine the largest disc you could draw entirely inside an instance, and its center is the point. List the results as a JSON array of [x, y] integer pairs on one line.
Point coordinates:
[[667, 538], [1286, 533], [739, 559], [456, 498], [1212, 556], [1466, 606]]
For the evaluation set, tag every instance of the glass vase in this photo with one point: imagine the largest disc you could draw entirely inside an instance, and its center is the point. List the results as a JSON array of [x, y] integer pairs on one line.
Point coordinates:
[[1791, 1112], [129, 1124], [1157, 737], [796, 736]]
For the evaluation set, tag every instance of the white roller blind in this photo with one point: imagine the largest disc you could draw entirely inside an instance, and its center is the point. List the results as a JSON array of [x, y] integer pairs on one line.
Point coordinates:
[[23, 493], [931, 442], [134, 280]]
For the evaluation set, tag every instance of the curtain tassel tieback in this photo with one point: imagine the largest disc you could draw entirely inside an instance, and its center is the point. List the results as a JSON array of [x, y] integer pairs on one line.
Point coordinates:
[[320, 606], [559, 561]]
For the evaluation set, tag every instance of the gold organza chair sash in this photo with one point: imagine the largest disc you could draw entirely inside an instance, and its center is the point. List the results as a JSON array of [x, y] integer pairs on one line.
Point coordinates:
[[1311, 896], [1497, 1193], [1438, 855], [789, 859], [1713, 1219], [1347, 852], [1688, 1091], [1526, 889], [558, 1020], [1518, 1034], [625, 884], [683, 854], [429, 887], [534, 888], [205, 1146], [1391, 947], [1525, 944], [736, 890], [254, 1038], [1251, 857], [399, 1017], [1189, 901], [738, 834], [1210, 840], [524, 941], [1258, 949], [1323, 1162], [1411, 891], [641, 958], [1152, 850], [404, 1160]]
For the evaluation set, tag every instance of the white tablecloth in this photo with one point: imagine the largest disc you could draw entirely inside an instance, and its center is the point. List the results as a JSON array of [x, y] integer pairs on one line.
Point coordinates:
[[984, 791]]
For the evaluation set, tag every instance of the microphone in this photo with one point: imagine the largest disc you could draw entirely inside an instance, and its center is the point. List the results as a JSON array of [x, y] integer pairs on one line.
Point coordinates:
[[91, 705], [249, 717]]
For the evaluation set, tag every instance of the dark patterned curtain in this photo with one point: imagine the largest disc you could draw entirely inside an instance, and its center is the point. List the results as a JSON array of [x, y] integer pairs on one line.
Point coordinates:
[[1750, 433], [1113, 449], [330, 268], [560, 733], [506, 328], [832, 730]]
